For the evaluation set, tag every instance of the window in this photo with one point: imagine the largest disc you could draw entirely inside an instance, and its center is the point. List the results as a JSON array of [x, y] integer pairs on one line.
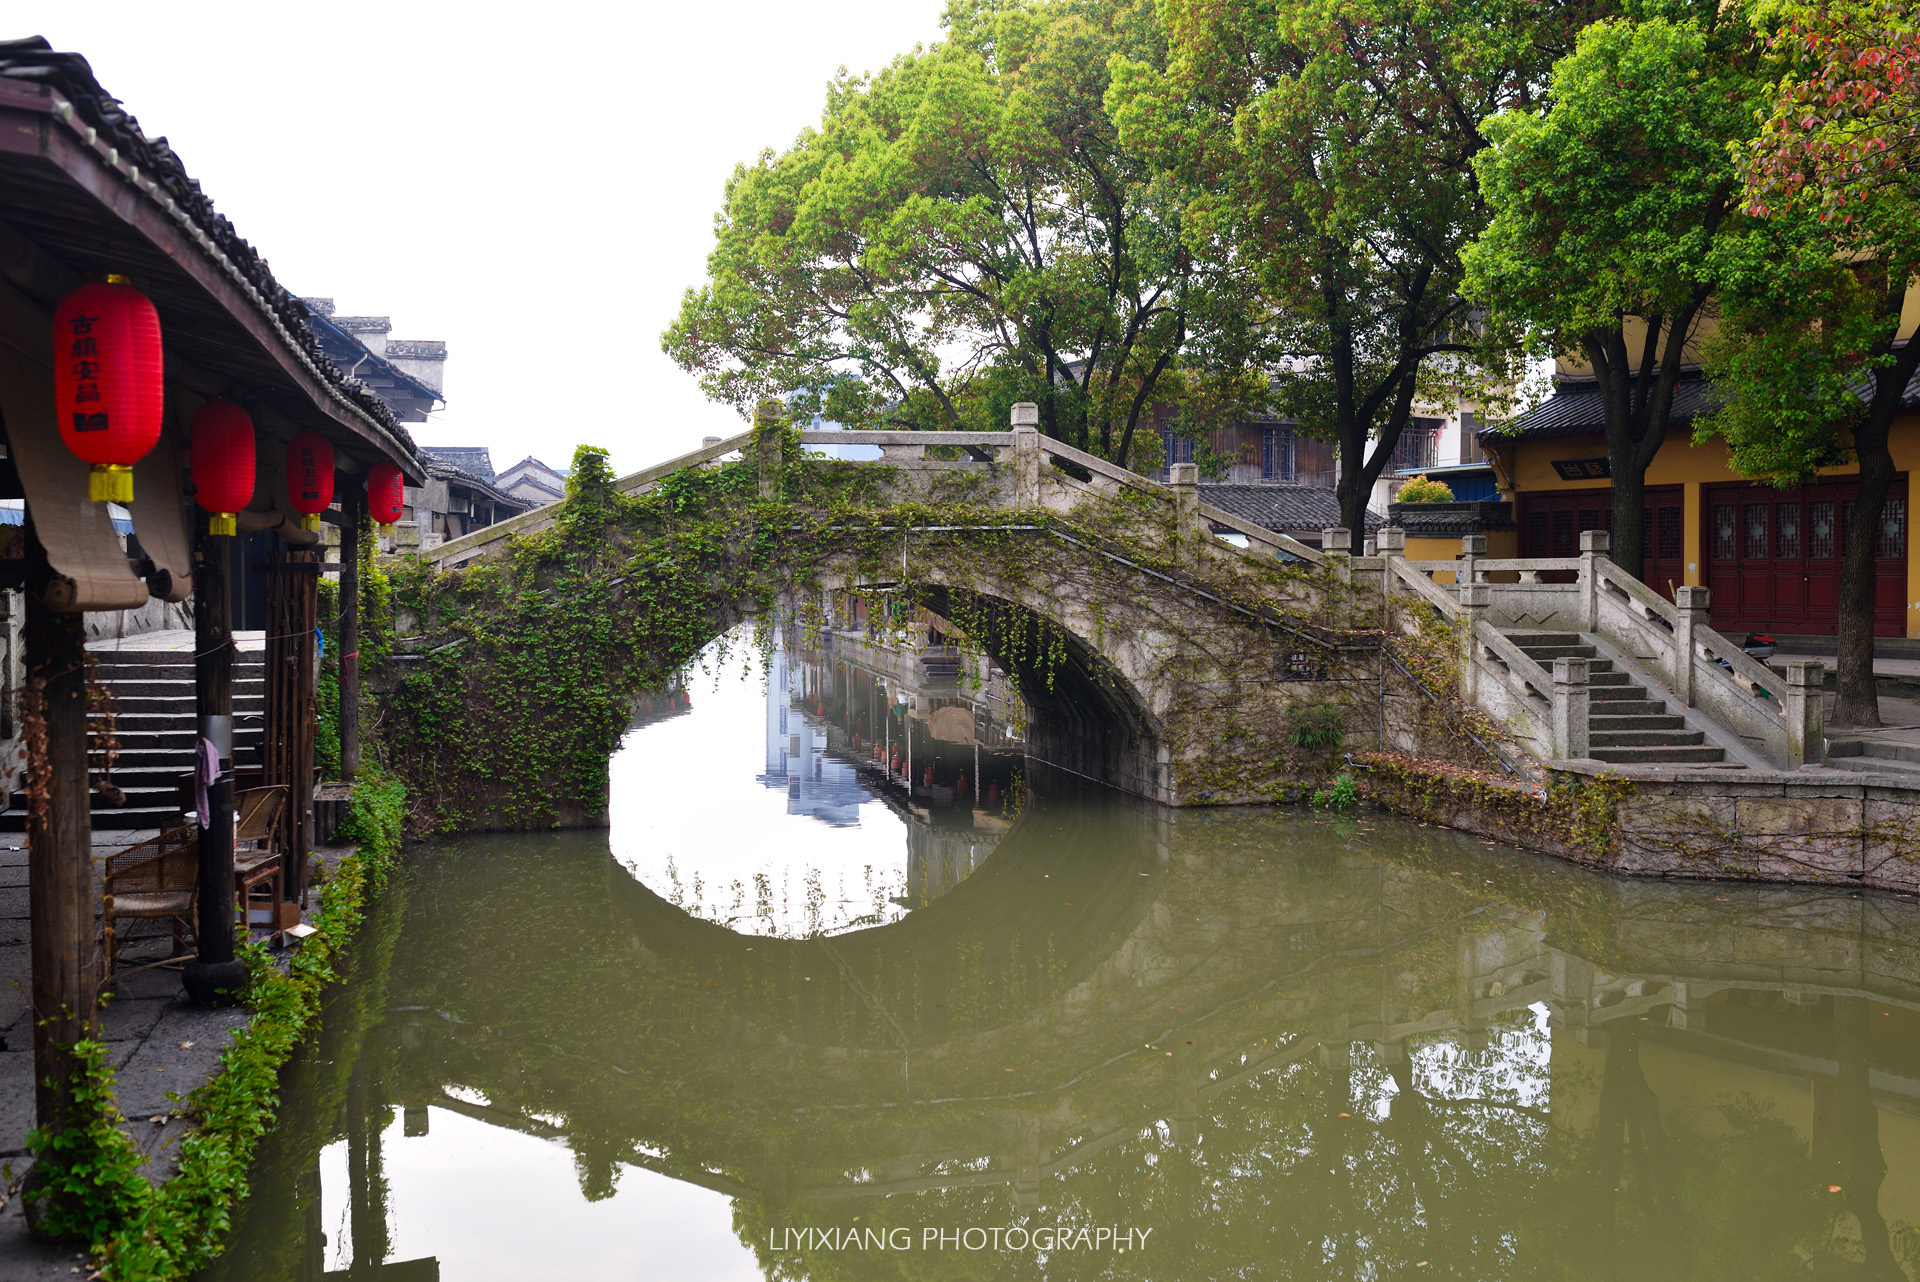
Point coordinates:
[[1563, 540], [1415, 448], [1470, 451], [1756, 540], [1786, 531], [1276, 454], [1672, 533], [1820, 534], [1724, 522], [1179, 449], [1892, 540]]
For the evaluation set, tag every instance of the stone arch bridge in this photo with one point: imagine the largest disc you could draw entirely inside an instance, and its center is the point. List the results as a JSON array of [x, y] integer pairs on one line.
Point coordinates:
[[1154, 656]]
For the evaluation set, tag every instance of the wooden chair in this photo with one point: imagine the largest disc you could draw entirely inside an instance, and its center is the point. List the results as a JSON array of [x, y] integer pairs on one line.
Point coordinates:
[[257, 884], [156, 880]]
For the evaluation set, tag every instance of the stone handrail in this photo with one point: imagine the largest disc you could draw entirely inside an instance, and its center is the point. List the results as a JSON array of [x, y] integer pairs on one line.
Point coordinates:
[[814, 436], [1410, 573], [467, 546], [1273, 540], [1528, 679], [1481, 565], [1692, 654]]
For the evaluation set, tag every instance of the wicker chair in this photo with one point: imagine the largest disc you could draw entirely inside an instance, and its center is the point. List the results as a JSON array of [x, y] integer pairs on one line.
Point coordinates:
[[156, 880], [256, 853]]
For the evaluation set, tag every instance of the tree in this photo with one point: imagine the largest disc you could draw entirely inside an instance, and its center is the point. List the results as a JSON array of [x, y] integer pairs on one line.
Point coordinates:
[[963, 231], [1324, 150], [1846, 116], [1610, 203], [1809, 362]]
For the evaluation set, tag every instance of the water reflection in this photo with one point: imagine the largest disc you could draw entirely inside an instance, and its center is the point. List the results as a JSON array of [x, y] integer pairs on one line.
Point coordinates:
[[1286, 1048]]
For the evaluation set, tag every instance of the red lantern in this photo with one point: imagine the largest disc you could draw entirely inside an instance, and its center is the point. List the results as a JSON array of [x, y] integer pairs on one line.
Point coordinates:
[[386, 494], [222, 460], [310, 477], [108, 383]]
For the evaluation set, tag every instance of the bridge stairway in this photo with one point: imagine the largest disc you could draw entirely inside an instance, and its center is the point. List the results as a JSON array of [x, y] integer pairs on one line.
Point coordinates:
[[154, 722], [1626, 724]]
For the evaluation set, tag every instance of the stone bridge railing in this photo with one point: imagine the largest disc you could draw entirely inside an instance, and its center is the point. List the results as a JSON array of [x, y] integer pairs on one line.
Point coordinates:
[[1741, 705], [1030, 471]]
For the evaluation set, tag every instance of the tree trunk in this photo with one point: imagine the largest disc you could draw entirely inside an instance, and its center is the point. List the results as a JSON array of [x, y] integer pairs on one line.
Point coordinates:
[[1858, 701], [1629, 507]]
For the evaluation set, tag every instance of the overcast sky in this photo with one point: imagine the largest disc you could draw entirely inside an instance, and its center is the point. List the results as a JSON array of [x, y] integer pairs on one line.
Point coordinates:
[[534, 184]]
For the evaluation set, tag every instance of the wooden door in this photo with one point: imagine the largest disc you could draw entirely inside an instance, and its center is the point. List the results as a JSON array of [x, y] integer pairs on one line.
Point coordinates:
[[1773, 557]]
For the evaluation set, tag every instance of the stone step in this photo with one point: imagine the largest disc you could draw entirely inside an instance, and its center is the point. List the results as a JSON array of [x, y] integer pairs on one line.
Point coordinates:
[[1525, 639], [1885, 749], [1544, 655], [158, 688], [1877, 765], [118, 672], [1645, 738], [1616, 694], [1605, 677], [1661, 721], [1658, 755], [182, 705], [1625, 708]]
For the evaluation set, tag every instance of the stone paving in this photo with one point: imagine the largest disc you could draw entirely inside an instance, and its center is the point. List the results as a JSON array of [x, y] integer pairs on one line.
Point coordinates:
[[157, 1042]]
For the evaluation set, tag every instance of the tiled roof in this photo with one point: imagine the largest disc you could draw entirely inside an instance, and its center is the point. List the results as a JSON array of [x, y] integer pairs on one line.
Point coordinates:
[[476, 459], [34, 61], [1576, 408], [1287, 508]]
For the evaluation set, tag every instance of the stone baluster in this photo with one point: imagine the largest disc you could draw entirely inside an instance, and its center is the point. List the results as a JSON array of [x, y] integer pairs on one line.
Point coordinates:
[[767, 416], [1472, 548], [1690, 609], [1184, 478], [1806, 713], [1026, 453], [1570, 708], [1594, 548], [1475, 599], [1393, 547], [1336, 545]]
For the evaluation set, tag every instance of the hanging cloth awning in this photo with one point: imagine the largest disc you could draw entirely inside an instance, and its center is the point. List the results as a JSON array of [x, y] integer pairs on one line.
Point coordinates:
[[160, 517], [89, 564]]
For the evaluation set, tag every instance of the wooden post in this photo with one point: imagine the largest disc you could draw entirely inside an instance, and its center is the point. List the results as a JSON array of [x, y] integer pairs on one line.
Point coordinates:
[[353, 517], [214, 978], [292, 611], [60, 850]]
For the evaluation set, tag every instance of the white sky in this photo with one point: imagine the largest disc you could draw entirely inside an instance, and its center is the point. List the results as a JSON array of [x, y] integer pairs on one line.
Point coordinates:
[[534, 184]]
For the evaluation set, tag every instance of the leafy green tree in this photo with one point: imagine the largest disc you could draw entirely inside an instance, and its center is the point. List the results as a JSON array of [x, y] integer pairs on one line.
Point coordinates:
[[1808, 360], [1323, 150], [1612, 200], [962, 231]]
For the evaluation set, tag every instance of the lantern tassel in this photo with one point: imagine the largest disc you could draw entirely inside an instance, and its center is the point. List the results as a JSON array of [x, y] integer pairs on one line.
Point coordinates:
[[110, 483], [222, 523], [310, 522]]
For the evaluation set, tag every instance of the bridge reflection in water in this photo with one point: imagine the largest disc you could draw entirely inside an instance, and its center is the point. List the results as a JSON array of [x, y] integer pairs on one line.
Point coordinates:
[[1289, 1047]]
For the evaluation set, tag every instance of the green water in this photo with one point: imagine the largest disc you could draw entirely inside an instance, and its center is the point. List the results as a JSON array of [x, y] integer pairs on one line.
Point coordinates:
[[1223, 1044]]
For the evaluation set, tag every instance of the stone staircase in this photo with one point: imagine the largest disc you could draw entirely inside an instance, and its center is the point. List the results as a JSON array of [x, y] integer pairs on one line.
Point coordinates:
[[154, 722], [1626, 725]]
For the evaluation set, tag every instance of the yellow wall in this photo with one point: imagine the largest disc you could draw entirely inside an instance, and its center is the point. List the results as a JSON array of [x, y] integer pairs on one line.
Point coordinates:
[[1681, 462], [1503, 544]]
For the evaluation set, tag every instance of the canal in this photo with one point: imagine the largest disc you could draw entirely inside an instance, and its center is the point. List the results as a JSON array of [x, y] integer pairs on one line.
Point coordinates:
[[803, 1013]]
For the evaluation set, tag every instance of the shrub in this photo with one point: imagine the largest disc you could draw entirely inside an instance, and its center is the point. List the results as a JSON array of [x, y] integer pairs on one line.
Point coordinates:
[[1420, 489]]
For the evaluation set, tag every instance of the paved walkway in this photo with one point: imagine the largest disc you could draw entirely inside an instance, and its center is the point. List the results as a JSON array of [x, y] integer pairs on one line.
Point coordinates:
[[157, 1042]]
